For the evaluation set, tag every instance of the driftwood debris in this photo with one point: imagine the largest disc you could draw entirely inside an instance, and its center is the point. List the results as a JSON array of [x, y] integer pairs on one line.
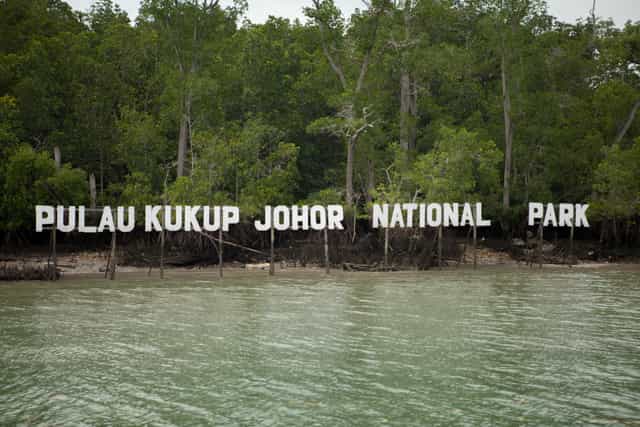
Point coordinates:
[[347, 266], [11, 272]]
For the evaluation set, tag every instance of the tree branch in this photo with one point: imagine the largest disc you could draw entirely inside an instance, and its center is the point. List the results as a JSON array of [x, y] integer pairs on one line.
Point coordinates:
[[628, 123]]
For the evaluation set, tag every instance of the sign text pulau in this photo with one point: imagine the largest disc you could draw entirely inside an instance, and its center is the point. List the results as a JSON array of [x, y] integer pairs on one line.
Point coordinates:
[[282, 218]]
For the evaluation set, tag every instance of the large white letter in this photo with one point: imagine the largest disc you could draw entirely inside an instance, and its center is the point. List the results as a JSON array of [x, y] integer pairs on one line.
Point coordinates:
[[66, 228], [451, 215], [565, 216], [44, 216], [550, 216], [479, 221], [299, 217], [190, 219], [81, 226], [410, 208], [206, 218], [396, 217], [318, 217], [151, 222], [106, 220], [434, 208], [536, 210], [380, 216], [335, 215], [169, 225], [281, 220], [230, 215], [131, 213], [266, 225], [581, 216]]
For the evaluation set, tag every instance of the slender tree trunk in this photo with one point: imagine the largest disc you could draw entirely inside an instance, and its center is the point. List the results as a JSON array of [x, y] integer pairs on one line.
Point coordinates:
[[508, 135], [183, 137], [57, 156], [408, 91], [93, 195], [182, 145], [101, 174], [405, 121], [371, 180], [349, 172], [630, 119]]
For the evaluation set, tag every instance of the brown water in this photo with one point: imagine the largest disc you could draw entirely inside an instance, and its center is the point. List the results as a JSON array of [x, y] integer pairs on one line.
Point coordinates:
[[490, 347]]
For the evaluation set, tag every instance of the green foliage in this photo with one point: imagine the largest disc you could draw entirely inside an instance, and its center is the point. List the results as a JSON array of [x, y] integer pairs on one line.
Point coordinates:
[[250, 167], [8, 122], [461, 167], [617, 183], [31, 178], [142, 146]]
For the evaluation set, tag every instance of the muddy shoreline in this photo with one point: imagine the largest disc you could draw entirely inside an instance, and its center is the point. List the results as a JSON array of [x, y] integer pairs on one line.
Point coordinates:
[[93, 264]]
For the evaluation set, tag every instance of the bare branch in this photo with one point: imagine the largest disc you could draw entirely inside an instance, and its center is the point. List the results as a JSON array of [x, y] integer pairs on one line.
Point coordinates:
[[628, 123]]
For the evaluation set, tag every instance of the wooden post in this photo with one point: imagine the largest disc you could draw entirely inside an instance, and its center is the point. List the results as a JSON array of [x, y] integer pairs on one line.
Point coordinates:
[[162, 252], [53, 271], [386, 247], [440, 246], [540, 243], [571, 236], [272, 265], [220, 245], [475, 245], [114, 261], [327, 265], [463, 253]]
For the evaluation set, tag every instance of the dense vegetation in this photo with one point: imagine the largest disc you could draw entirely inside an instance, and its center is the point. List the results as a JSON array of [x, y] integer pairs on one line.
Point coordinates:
[[478, 100]]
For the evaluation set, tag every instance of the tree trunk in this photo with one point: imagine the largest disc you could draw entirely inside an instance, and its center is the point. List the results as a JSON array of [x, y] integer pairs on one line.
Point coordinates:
[[628, 123], [101, 174], [57, 156], [182, 145], [371, 181], [93, 195], [508, 135], [349, 172], [183, 137], [405, 121]]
